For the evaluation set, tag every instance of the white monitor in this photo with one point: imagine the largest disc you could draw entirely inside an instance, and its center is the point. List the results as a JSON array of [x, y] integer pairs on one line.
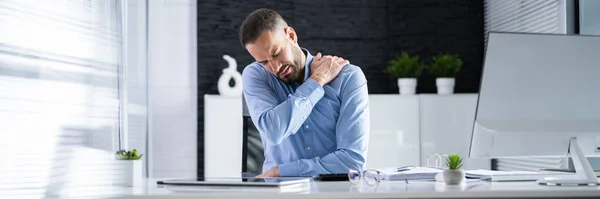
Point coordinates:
[[540, 96]]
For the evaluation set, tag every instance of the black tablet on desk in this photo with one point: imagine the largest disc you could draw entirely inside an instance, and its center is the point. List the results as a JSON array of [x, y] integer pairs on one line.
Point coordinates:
[[237, 181], [332, 177]]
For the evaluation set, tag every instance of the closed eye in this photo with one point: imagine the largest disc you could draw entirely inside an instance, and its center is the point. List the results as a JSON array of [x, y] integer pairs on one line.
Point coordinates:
[[273, 56]]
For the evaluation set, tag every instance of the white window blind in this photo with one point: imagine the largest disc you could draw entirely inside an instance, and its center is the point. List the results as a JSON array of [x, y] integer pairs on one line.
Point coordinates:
[[531, 16], [60, 63]]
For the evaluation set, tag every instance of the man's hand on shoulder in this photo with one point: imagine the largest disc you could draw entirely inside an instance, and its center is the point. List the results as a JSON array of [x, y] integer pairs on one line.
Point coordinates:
[[274, 172], [326, 68]]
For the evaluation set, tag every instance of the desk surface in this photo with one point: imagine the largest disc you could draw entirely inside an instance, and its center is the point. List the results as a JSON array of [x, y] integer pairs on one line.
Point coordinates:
[[387, 189], [316, 189]]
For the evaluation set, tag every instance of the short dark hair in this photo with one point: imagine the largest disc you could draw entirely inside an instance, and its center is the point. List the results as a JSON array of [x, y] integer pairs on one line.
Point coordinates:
[[257, 22]]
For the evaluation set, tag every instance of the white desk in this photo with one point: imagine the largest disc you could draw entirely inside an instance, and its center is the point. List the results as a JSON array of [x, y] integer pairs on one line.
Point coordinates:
[[387, 189]]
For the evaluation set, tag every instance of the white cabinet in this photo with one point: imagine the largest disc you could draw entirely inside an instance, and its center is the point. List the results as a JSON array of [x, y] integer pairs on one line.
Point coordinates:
[[394, 138], [404, 130], [446, 127], [222, 136]]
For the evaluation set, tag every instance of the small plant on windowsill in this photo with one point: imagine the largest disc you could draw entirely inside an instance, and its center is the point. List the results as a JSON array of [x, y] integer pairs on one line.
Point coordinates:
[[454, 175], [132, 162], [128, 155]]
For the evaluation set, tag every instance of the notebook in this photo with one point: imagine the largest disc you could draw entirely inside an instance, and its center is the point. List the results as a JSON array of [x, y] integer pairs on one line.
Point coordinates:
[[414, 173]]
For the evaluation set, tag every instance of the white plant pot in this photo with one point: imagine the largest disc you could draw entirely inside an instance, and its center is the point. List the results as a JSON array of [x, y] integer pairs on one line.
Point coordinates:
[[407, 86], [445, 86], [454, 177], [133, 173]]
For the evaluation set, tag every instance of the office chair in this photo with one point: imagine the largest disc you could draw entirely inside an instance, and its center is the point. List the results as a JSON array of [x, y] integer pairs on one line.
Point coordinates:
[[252, 148]]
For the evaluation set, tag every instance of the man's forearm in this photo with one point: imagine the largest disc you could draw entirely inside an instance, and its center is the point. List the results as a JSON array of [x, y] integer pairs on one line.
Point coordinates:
[[339, 161]]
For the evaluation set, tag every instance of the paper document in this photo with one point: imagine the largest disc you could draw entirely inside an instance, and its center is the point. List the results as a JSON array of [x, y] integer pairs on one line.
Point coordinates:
[[428, 173], [508, 175], [416, 173]]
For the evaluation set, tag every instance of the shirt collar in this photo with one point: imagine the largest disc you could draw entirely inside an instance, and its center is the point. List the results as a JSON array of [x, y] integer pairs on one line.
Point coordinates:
[[309, 59]]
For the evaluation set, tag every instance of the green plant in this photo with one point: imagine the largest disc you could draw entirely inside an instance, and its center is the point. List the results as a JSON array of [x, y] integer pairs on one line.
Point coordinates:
[[405, 66], [128, 155], [445, 65], [454, 161]]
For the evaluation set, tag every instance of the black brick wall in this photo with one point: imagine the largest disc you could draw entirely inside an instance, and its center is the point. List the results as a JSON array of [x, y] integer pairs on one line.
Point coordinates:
[[367, 32]]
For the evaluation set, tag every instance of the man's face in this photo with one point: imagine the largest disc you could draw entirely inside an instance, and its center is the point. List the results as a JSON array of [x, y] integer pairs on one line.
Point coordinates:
[[278, 52]]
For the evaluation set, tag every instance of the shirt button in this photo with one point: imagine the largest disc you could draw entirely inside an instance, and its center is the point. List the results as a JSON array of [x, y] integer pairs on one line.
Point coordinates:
[[308, 148], [306, 126]]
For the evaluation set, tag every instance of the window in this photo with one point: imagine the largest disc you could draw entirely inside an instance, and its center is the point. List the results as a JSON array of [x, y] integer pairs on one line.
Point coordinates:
[[61, 63], [532, 16], [589, 17]]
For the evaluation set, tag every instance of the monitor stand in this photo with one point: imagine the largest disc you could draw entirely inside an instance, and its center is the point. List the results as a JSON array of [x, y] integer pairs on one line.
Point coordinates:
[[584, 174]]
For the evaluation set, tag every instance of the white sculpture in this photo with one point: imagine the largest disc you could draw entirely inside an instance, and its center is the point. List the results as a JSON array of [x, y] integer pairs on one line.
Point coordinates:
[[229, 73]]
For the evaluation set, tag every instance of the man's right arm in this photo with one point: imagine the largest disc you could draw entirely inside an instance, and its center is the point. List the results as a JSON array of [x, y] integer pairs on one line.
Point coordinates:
[[276, 121]]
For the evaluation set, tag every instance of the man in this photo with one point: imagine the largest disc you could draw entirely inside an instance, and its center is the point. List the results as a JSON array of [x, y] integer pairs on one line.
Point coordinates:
[[311, 111]]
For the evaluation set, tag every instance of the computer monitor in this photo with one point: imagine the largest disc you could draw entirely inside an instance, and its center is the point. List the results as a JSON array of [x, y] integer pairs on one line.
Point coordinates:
[[540, 96]]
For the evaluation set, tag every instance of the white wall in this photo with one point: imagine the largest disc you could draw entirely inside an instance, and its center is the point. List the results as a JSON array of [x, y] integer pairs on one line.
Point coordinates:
[[172, 93], [136, 76]]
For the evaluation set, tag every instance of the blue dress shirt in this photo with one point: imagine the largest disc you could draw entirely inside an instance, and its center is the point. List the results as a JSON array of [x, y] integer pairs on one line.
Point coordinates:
[[308, 129]]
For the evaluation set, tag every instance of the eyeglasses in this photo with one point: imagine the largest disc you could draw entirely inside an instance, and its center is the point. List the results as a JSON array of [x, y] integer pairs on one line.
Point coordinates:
[[438, 160], [371, 176]]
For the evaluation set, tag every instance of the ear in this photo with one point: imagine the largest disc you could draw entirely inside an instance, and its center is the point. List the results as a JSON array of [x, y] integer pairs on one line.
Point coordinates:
[[291, 34]]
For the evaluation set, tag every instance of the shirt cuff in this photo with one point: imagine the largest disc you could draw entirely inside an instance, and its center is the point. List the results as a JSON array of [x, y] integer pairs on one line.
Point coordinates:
[[289, 169], [311, 89]]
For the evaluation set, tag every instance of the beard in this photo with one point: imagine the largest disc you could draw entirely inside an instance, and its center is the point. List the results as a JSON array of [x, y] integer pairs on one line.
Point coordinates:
[[296, 65]]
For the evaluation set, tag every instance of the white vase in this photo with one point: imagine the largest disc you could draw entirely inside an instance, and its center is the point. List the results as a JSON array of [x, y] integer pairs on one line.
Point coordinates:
[[445, 86], [454, 177], [133, 173], [407, 86], [230, 73]]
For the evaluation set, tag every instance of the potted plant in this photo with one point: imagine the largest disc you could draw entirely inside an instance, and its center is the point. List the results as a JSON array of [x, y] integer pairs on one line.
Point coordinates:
[[133, 167], [444, 68], [407, 69], [454, 175]]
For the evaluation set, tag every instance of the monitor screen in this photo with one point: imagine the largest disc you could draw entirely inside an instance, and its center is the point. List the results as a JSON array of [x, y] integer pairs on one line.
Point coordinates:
[[537, 91]]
